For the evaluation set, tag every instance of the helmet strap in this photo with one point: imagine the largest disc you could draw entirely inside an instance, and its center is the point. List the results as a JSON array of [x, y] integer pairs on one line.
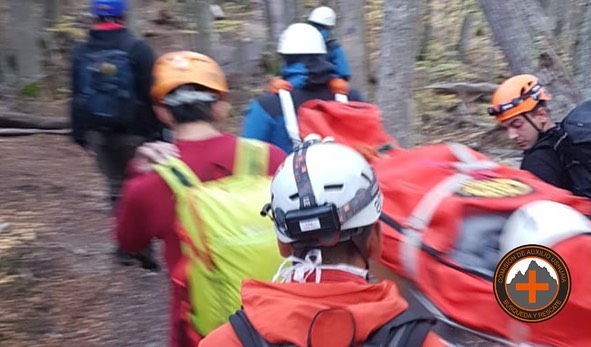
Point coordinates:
[[361, 248], [302, 268], [539, 130]]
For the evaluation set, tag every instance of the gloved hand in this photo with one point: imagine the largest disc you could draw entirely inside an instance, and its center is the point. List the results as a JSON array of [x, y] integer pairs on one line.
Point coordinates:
[[338, 86], [276, 83], [151, 153]]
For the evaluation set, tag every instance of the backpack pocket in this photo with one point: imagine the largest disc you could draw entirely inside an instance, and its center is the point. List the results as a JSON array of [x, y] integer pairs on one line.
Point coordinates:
[[109, 89]]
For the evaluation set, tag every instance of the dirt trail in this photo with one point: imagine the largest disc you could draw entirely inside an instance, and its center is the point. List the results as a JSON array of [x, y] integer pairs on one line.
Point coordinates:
[[58, 284]]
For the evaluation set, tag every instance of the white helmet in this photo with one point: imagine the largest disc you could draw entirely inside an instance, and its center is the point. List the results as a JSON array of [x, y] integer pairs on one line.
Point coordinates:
[[542, 222], [321, 190], [323, 15], [301, 38]]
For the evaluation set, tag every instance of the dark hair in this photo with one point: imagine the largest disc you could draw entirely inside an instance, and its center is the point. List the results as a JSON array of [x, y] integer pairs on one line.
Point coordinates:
[[342, 251], [197, 111], [109, 19], [540, 104]]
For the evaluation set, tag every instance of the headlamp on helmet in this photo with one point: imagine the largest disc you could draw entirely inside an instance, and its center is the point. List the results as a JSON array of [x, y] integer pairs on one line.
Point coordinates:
[[323, 194], [534, 93]]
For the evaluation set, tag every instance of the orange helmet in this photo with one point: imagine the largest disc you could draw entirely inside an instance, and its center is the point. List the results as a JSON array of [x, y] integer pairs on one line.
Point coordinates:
[[517, 95], [175, 69]]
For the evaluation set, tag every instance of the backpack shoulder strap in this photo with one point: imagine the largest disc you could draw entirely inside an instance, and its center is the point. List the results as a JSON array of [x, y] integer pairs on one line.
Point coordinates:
[[177, 175], [246, 333], [407, 329], [251, 158], [127, 43]]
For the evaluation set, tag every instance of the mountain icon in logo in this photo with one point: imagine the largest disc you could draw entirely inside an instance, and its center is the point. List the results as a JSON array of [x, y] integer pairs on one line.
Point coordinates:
[[532, 283], [535, 289]]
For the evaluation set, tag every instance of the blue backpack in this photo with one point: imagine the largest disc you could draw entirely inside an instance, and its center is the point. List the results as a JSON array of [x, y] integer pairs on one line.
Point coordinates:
[[106, 81]]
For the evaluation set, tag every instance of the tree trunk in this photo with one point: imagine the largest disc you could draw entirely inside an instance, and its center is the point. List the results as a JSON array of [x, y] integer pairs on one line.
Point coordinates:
[[545, 5], [53, 11], [201, 16], [133, 18], [4, 68], [351, 35], [278, 21], [395, 72], [581, 66], [292, 11], [465, 36], [425, 30], [492, 53], [204, 27], [548, 8], [578, 12], [560, 14], [523, 34], [272, 27], [33, 131], [9, 119], [23, 39]]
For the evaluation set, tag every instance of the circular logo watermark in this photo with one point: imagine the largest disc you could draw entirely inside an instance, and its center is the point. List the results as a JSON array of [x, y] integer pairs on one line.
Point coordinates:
[[532, 283]]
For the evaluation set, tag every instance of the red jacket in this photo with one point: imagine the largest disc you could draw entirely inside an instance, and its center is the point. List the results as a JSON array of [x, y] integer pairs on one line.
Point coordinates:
[[147, 208], [283, 313]]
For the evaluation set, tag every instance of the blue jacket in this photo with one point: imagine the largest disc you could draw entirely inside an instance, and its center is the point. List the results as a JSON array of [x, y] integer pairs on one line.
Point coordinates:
[[336, 54], [263, 119]]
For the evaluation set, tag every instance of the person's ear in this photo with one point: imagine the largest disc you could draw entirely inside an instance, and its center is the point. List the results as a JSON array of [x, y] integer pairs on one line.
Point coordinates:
[[163, 114], [375, 242], [542, 113], [220, 110], [542, 116], [284, 249]]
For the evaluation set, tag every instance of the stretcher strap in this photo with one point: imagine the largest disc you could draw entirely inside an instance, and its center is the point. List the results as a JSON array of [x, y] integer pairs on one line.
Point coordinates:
[[421, 217], [422, 214]]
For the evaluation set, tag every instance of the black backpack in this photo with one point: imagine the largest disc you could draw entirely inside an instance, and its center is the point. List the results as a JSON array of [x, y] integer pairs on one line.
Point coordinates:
[[407, 329], [574, 148], [106, 80]]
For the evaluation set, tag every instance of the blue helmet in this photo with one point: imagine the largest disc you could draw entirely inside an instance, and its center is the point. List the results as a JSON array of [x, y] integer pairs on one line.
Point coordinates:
[[109, 8]]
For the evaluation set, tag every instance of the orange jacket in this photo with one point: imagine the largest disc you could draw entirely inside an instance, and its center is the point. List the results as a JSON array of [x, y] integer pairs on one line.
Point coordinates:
[[283, 313]]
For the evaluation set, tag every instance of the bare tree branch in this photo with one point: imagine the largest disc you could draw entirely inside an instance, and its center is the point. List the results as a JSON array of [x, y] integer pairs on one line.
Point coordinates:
[[464, 88]]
